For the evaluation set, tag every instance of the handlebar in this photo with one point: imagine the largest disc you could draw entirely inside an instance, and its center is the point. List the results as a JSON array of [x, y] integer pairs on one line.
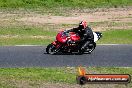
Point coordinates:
[[66, 33]]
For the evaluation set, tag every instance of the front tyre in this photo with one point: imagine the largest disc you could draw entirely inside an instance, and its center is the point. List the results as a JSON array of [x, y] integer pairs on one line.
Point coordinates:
[[51, 49]]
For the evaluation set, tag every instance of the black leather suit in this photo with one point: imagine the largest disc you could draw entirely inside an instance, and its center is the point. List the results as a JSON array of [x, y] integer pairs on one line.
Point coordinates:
[[86, 36]]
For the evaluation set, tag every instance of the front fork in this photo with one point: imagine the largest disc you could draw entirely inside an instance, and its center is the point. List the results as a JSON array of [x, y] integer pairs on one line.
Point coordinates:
[[57, 45]]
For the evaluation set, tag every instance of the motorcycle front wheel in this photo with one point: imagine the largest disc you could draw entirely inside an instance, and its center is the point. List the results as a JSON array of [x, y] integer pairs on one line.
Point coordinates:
[[51, 49]]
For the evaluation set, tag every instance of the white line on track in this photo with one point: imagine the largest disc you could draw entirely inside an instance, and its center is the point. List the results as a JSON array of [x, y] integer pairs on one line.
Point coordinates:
[[110, 44], [97, 44], [114, 44]]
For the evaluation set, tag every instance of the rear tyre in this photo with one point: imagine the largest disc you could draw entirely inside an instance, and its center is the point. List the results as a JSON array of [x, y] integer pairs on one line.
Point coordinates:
[[51, 49], [80, 52], [91, 48]]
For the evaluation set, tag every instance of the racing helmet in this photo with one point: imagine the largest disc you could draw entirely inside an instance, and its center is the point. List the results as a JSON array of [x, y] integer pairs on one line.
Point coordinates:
[[82, 24]]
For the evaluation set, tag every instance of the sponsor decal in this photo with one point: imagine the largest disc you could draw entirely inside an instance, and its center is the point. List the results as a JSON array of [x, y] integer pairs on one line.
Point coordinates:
[[83, 78]]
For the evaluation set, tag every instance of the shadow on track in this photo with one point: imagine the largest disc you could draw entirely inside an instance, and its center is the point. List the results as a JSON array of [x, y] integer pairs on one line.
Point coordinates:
[[67, 53]]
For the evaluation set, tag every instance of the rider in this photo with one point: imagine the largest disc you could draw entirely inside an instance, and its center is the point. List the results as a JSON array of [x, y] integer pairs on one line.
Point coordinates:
[[85, 33]]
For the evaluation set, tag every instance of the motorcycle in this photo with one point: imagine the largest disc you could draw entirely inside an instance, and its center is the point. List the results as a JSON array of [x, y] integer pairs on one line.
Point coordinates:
[[69, 43]]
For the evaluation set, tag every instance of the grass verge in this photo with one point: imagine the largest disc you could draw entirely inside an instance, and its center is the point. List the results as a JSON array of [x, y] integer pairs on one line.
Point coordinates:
[[38, 36], [116, 37], [26, 36], [63, 3], [35, 77]]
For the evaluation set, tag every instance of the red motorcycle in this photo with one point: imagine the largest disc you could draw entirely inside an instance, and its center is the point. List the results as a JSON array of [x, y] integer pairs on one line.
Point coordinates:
[[69, 43]]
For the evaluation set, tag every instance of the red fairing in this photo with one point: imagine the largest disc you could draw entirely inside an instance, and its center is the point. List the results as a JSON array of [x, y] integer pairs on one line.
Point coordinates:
[[54, 43], [74, 37], [61, 37]]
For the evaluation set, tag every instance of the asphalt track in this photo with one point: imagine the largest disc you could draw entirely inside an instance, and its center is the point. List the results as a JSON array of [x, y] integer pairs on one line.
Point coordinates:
[[33, 56]]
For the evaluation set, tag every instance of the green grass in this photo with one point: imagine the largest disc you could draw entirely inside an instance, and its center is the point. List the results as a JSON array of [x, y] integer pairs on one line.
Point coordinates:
[[26, 36], [42, 74], [33, 77], [25, 41], [27, 31], [40, 36], [63, 3], [12, 77], [116, 37]]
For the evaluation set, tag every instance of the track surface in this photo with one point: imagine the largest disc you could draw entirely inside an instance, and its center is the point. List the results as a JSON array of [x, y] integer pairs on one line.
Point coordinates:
[[33, 56]]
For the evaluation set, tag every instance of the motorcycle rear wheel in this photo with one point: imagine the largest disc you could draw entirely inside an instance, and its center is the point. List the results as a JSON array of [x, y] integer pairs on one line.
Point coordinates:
[[90, 49], [51, 49]]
